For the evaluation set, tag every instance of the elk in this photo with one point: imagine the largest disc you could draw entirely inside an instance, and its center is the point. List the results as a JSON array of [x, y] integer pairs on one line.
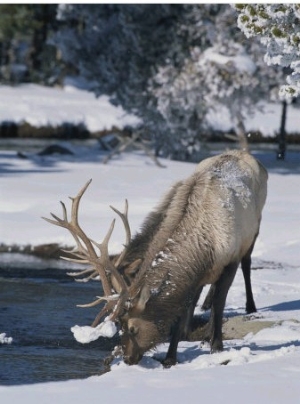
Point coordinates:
[[204, 227]]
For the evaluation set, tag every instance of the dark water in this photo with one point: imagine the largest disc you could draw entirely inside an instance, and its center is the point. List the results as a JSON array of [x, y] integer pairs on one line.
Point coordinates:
[[37, 309]]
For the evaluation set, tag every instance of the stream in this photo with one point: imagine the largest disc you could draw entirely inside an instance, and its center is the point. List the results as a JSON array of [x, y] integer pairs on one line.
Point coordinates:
[[37, 309]]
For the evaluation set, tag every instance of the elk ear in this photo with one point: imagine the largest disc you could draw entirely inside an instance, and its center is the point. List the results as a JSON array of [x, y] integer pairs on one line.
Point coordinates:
[[132, 269], [143, 299]]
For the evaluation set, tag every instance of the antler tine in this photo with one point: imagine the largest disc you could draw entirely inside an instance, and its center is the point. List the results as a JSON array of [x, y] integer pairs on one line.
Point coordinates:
[[107, 308], [65, 215], [106, 238], [84, 272], [124, 218], [99, 300], [76, 260], [103, 247], [76, 202]]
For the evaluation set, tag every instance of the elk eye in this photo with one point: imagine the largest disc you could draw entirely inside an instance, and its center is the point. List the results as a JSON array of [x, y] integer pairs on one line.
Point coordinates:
[[132, 330]]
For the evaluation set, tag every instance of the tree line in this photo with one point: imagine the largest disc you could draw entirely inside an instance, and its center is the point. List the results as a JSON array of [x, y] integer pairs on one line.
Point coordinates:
[[170, 64]]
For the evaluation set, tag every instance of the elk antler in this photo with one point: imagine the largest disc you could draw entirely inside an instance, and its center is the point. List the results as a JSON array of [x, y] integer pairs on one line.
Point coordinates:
[[124, 217], [101, 264]]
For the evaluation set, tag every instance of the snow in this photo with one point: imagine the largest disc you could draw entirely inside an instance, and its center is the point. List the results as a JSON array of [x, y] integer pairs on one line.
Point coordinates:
[[261, 367], [229, 179], [242, 62], [4, 339], [87, 334]]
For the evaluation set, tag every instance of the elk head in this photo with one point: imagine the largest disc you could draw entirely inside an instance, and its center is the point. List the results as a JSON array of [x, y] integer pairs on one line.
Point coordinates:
[[140, 330], [138, 336]]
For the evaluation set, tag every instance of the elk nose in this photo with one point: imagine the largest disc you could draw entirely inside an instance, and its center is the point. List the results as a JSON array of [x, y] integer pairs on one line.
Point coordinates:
[[132, 360], [129, 360]]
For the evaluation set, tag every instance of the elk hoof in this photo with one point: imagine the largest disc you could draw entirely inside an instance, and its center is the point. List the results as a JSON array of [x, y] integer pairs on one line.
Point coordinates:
[[217, 346], [250, 308], [169, 362]]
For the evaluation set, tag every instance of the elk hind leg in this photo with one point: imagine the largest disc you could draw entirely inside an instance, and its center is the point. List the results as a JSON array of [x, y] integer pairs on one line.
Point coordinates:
[[246, 268], [209, 298]]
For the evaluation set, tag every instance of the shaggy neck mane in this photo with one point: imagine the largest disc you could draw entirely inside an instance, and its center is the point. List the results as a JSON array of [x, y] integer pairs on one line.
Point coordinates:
[[150, 228], [177, 252], [176, 202]]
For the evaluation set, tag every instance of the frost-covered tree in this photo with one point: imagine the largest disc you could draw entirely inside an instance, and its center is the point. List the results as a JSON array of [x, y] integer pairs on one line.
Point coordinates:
[[168, 64], [114, 45], [278, 27], [226, 71], [118, 47], [177, 88], [180, 100]]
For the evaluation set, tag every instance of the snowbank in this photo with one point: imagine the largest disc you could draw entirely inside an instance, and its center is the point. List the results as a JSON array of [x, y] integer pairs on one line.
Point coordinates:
[[42, 106]]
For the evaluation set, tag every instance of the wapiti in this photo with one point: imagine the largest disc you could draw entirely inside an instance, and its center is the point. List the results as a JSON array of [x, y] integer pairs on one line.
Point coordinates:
[[203, 228]]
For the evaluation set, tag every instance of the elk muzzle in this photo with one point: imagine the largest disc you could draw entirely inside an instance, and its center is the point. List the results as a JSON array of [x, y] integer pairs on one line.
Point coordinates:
[[138, 337]]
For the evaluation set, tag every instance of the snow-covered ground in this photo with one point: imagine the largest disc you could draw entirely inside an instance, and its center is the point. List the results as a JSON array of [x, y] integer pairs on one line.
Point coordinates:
[[259, 368], [42, 106]]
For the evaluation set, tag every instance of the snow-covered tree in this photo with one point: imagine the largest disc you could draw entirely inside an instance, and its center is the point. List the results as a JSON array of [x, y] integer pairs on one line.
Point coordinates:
[[278, 27], [177, 88], [180, 101], [118, 47], [168, 64], [226, 71]]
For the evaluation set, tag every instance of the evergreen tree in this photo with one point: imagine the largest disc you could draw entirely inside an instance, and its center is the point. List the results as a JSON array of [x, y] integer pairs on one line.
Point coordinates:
[[24, 51]]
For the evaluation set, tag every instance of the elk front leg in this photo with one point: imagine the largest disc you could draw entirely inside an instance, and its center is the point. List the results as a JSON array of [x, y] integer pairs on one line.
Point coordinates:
[[171, 357], [180, 331], [216, 316]]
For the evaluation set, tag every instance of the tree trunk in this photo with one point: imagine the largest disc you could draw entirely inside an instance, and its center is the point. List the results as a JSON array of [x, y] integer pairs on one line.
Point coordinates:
[[282, 135], [39, 37]]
